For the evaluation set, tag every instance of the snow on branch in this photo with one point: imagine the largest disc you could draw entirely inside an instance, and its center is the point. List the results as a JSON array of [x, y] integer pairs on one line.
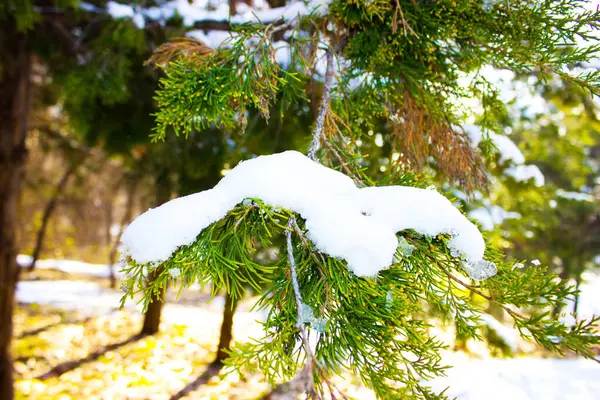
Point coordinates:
[[358, 225], [201, 18], [509, 153]]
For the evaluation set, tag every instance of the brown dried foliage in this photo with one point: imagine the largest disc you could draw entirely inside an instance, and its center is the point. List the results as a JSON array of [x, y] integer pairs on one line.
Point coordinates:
[[179, 47], [419, 135]]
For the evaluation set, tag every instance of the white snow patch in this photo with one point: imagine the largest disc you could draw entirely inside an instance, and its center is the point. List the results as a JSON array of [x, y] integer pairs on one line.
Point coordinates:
[[212, 39], [197, 12], [70, 295], [578, 196], [521, 379], [523, 173], [283, 55], [507, 149], [70, 266], [357, 225], [589, 298], [118, 11], [491, 216]]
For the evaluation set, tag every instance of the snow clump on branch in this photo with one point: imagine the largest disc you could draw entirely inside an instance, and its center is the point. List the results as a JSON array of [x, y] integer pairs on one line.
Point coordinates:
[[358, 225]]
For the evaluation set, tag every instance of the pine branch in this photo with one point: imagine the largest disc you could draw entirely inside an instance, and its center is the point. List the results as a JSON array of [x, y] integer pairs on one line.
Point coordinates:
[[323, 108], [480, 293]]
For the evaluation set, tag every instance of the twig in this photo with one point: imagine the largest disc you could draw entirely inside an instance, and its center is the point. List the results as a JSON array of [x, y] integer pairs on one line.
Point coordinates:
[[306, 244], [480, 293], [285, 25], [310, 387], [323, 108], [343, 164], [405, 24]]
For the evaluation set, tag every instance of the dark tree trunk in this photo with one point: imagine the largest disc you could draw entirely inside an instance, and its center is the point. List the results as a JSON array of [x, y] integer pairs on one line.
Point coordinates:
[[226, 329], [154, 311], [578, 274], [50, 207], [276, 3], [576, 303], [152, 316], [233, 5], [112, 259], [14, 109], [109, 210], [564, 276]]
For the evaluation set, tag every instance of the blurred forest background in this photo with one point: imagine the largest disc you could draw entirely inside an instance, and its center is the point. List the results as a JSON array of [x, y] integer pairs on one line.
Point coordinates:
[[91, 168]]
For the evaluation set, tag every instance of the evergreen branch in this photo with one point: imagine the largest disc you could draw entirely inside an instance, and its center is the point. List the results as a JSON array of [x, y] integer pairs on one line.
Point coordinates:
[[323, 108], [472, 288]]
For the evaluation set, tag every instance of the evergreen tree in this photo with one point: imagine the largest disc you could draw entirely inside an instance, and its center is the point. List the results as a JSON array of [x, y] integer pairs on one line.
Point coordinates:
[[334, 300], [556, 222], [85, 51]]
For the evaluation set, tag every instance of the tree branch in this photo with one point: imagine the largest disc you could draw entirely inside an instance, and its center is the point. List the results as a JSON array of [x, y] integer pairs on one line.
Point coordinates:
[[299, 303], [323, 108], [472, 288]]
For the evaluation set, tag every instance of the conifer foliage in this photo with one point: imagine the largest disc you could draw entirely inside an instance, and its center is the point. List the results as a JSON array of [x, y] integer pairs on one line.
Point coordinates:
[[398, 68]]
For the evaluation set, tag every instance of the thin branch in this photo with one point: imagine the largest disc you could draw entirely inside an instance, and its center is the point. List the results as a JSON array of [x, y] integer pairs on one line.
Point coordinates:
[[405, 24], [323, 108], [343, 163], [480, 293], [310, 386]]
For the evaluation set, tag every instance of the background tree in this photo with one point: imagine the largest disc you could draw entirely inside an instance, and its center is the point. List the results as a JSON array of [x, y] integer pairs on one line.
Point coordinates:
[[556, 222]]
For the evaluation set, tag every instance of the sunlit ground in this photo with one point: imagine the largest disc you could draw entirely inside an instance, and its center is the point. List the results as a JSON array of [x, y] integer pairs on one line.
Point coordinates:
[[90, 351]]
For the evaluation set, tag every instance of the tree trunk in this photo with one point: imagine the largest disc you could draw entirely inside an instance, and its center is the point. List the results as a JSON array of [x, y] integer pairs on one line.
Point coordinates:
[[14, 109], [154, 311], [564, 276], [50, 206], [152, 316], [226, 329], [112, 259], [578, 278]]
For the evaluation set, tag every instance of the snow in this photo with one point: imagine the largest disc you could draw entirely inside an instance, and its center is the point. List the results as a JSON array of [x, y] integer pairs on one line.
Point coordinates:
[[357, 225], [523, 173], [70, 266], [197, 12], [283, 55], [72, 295], [589, 298], [509, 153], [578, 196], [118, 11], [491, 216], [287, 12], [521, 379], [490, 379], [212, 39], [507, 149]]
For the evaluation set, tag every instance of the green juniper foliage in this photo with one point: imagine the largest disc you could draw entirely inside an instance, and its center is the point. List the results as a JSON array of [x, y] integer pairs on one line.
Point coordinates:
[[402, 68]]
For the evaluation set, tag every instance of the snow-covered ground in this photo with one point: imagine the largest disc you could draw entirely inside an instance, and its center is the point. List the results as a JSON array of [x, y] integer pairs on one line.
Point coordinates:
[[489, 379], [522, 379], [86, 297], [70, 266]]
